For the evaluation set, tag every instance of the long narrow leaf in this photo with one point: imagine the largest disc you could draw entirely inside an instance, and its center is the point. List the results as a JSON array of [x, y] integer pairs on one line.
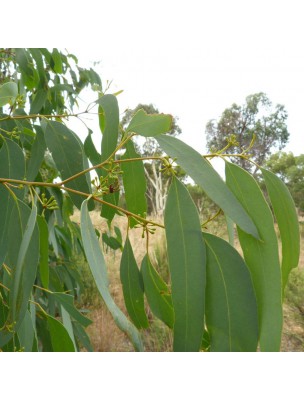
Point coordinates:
[[231, 309], [98, 268], [287, 219], [261, 256], [18, 295], [157, 293], [44, 250], [187, 264], [109, 122], [134, 183], [68, 154], [60, 338], [204, 175], [132, 286]]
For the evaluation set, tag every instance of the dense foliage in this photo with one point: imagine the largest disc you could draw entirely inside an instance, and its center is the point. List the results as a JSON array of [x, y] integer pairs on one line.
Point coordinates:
[[216, 299]]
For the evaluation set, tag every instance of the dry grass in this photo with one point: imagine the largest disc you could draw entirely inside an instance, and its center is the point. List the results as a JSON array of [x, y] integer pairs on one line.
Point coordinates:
[[105, 335]]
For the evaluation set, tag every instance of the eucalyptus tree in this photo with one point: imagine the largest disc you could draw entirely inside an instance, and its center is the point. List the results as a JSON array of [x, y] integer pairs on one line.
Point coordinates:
[[216, 299]]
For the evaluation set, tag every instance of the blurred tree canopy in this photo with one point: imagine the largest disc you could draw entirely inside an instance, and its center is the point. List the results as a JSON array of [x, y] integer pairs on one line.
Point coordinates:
[[256, 117]]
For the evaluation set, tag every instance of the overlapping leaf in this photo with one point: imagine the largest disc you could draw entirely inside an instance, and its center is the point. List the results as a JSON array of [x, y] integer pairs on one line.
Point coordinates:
[[187, 264], [68, 154], [287, 219], [8, 93], [132, 286], [134, 182], [205, 176], [149, 124], [261, 256], [60, 338], [109, 122], [157, 293], [98, 268], [231, 309]]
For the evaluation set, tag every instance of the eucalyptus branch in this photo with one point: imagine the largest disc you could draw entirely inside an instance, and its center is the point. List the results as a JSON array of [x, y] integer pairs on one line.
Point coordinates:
[[60, 186]]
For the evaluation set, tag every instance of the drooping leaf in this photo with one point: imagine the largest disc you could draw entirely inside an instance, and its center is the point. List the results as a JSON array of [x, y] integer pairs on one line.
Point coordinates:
[[149, 124], [81, 336], [8, 93], [67, 323], [98, 268], [26, 333], [12, 163], [44, 251], [132, 286], [38, 101], [287, 219], [60, 338], [67, 301], [68, 154], [108, 107], [157, 293], [187, 264], [204, 175], [23, 275], [109, 122], [230, 230], [261, 256], [134, 182], [231, 308], [11, 166], [57, 61], [90, 150], [111, 241]]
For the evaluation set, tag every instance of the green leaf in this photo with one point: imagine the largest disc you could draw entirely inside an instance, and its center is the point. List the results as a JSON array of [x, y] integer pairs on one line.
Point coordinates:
[[22, 257], [230, 230], [8, 93], [187, 264], [26, 333], [68, 154], [231, 309], [67, 323], [60, 338], [204, 175], [38, 101], [17, 299], [287, 219], [109, 122], [157, 293], [132, 286], [261, 256], [134, 182], [37, 56], [149, 124], [44, 251], [67, 301], [37, 156], [56, 56], [11, 166], [90, 150], [111, 241], [82, 336], [98, 268], [110, 111]]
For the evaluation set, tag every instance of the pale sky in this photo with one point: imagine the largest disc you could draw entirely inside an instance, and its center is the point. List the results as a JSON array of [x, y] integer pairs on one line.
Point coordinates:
[[190, 59], [195, 60]]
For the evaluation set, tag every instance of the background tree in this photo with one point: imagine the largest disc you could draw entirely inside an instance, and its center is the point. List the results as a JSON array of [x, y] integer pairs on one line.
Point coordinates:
[[256, 117], [290, 169]]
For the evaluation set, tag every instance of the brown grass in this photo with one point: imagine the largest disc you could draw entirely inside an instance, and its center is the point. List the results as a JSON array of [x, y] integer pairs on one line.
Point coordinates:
[[105, 335]]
